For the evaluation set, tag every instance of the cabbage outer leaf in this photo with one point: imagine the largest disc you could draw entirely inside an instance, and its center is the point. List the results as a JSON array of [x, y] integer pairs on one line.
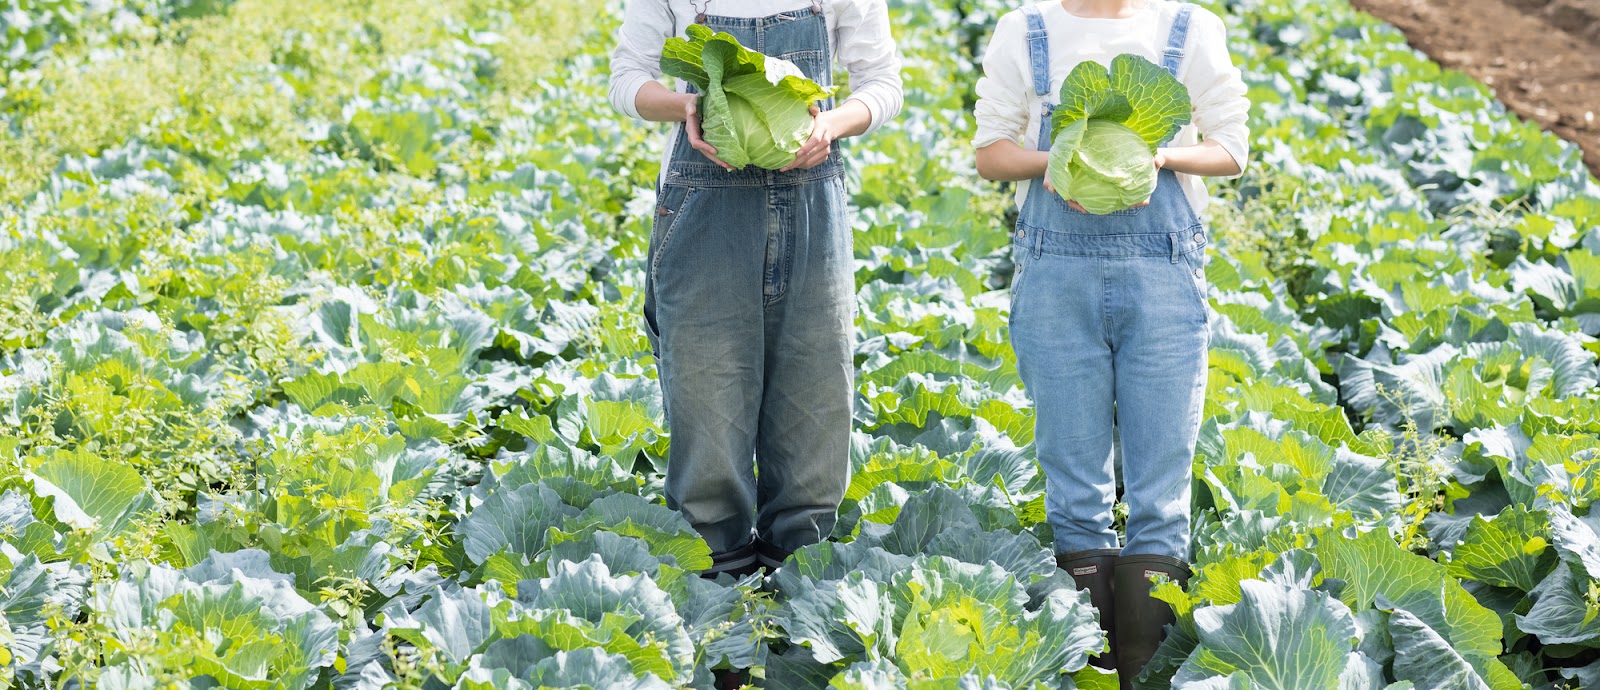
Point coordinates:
[[754, 109], [1107, 126]]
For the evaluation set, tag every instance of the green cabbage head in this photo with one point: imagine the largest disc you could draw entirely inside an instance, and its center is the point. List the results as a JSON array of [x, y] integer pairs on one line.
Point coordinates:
[[755, 109], [1107, 128]]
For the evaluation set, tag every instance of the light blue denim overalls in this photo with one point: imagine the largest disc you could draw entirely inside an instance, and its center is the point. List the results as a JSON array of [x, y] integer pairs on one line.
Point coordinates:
[[751, 309], [1109, 324]]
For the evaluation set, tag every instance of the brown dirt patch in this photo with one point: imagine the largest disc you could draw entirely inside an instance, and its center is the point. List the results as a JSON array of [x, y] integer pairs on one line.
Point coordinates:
[[1541, 57]]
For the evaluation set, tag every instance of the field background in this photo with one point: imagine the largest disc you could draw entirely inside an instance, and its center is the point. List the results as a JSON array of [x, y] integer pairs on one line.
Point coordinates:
[[321, 365], [1557, 85]]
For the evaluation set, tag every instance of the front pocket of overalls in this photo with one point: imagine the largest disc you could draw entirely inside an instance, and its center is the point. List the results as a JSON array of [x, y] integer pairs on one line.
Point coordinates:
[[675, 201]]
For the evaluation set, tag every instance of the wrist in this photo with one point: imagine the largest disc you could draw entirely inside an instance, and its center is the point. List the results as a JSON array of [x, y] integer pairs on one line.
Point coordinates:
[[830, 120]]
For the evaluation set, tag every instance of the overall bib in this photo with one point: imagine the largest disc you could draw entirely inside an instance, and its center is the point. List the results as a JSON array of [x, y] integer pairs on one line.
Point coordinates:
[[750, 304], [1109, 325]]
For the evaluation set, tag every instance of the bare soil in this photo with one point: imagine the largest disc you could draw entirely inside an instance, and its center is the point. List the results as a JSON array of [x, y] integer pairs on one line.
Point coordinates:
[[1541, 57]]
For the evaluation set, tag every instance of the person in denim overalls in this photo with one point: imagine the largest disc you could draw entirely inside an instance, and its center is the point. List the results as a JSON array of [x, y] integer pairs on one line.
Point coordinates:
[[750, 306], [1109, 325]]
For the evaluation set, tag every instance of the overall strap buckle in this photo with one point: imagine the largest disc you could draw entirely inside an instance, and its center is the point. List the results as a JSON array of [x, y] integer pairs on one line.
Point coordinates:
[[1177, 40]]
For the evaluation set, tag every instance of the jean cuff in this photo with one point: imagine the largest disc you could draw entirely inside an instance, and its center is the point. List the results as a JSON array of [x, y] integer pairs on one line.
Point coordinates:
[[736, 560], [770, 556]]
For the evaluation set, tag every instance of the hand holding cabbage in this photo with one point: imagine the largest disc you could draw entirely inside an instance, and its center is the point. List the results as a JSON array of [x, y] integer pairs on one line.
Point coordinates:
[[1107, 129], [756, 110]]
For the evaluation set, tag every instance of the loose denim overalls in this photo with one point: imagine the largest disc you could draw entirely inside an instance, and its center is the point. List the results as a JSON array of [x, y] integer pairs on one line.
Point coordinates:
[[1109, 324], [750, 304]]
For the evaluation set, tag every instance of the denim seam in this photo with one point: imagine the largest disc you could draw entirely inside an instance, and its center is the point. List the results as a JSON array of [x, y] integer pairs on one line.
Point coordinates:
[[1113, 246], [714, 20], [768, 269], [779, 221], [708, 175], [786, 244], [1131, 211], [1108, 322]]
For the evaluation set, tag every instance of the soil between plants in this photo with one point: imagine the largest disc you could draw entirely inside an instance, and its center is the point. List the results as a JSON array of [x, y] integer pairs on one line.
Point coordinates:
[[1541, 57]]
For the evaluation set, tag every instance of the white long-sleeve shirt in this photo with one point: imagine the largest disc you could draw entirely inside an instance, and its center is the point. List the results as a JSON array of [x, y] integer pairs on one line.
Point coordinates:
[[1008, 108], [858, 33]]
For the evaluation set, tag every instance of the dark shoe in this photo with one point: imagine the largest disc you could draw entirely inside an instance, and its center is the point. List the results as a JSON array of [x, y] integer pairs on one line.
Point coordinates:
[[730, 680], [1141, 620], [1091, 570]]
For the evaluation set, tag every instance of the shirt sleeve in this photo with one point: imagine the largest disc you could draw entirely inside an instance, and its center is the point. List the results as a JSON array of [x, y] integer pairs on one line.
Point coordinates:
[[1005, 91], [868, 53], [646, 25], [1217, 89]]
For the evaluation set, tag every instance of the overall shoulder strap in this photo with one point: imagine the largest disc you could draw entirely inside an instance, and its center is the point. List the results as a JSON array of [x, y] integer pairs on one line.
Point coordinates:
[[1177, 39], [1038, 50]]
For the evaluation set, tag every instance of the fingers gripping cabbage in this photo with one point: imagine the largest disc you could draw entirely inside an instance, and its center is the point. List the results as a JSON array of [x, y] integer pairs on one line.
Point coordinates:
[[1107, 129], [756, 110]]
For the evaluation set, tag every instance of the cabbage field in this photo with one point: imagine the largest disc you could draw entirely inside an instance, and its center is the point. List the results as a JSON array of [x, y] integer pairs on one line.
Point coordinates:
[[321, 366]]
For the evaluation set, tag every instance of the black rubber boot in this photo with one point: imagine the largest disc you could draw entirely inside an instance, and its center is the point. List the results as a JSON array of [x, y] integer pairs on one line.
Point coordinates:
[[1091, 570], [1141, 620]]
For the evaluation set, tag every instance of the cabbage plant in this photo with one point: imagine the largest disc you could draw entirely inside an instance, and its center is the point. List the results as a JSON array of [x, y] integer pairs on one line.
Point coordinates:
[[1107, 128], [755, 109]]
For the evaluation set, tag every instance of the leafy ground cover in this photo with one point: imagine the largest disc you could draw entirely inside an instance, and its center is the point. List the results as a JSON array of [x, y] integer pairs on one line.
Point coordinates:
[[322, 368]]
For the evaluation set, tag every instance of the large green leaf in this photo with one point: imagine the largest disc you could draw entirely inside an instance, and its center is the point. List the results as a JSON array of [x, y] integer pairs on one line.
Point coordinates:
[[584, 605], [1363, 485], [1373, 565], [92, 493], [665, 531], [527, 662], [453, 624], [517, 520], [1428, 660], [878, 674], [728, 629], [234, 629], [1134, 91], [1277, 637], [1562, 612], [958, 618], [1161, 103], [1510, 550], [850, 618], [32, 593]]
